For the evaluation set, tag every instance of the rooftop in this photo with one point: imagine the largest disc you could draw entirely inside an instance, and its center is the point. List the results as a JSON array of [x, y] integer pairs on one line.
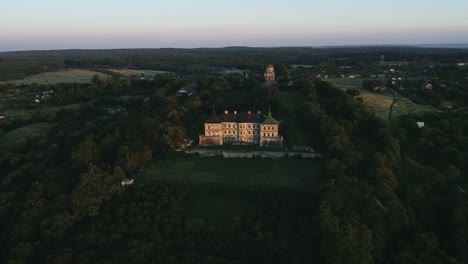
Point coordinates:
[[270, 120], [237, 118]]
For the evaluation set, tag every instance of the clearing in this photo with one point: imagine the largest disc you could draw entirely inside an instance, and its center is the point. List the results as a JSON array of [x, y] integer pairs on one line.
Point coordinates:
[[293, 133], [18, 112], [294, 173], [62, 76], [380, 101], [224, 188], [17, 137], [131, 72]]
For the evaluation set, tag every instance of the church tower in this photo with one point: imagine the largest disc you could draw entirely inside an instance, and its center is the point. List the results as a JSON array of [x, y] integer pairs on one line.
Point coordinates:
[[269, 74]]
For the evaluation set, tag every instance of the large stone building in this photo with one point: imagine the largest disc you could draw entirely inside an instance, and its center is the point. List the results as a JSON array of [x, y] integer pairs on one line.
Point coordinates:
[[269, 74], [241, 128]]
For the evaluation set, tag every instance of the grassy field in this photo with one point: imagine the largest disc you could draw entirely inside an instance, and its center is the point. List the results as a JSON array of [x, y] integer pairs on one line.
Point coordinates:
[[379, 101], [414, 173], [290, 100], [347, 83], [130, 72], [223, 188], [18, 112], [295, 173], [13, 139], [63, 76], [293, 134]]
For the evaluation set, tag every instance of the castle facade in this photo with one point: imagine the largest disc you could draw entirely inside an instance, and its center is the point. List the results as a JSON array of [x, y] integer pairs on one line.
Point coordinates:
[[241, 128]]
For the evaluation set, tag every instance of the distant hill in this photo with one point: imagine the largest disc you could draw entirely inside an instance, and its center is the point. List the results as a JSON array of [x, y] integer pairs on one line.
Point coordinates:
[[445, 46]]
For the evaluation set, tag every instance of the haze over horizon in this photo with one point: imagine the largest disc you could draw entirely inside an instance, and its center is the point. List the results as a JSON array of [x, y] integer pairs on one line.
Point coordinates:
[[86, 24]]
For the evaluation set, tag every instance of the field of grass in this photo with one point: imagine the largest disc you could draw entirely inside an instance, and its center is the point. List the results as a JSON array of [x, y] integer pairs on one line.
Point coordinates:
[[347, 83], [63, 76], [18, 112], [380, 102], [13, 139], [130, 72], [295, 173], [413, 172], [293, 133], [290, 100], [223, 188]]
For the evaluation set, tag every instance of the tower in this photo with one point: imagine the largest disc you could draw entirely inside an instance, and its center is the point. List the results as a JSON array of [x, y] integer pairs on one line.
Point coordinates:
[[269, 74]]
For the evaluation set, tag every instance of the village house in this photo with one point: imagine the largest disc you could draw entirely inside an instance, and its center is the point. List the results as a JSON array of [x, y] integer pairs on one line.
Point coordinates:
[[126, 182], [188, 90], [428, 86], [447, 104], [380, 89], [241, 128]]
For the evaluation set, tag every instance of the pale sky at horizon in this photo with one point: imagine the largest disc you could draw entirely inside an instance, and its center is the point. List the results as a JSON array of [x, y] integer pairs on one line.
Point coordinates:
[[54, 24]]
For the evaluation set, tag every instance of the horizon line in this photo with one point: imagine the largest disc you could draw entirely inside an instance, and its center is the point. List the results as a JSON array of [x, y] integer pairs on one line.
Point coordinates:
[[421, 45]]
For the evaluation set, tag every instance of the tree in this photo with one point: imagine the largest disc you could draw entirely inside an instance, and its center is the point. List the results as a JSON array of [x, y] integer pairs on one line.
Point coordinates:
[[86, 153], [306, 86], [282, 72], [453, 174], [94, 187]]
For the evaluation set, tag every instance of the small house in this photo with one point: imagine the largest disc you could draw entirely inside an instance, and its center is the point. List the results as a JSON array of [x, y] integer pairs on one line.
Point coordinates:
[[420, 124], [188, 90], [428, 86], [447, 104], [126, 182], [380, 89]]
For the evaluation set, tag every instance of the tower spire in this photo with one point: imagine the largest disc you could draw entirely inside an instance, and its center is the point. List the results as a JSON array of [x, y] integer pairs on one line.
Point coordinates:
[[214, 111]]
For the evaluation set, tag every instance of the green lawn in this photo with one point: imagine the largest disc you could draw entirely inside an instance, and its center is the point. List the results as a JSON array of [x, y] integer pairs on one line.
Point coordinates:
[[15, 138], [130, 72], [347, 83], [62, 76], [18, 112], [293, 133], [295, 173], [412, 172], [224, 188], [290, 100], [380, 102]]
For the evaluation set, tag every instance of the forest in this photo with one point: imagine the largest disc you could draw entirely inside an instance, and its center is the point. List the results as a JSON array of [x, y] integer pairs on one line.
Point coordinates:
[[17, 65], [387, 193]]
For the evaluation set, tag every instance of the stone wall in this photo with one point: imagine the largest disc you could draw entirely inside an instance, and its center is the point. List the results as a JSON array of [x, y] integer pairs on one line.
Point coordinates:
[[251, 154], [271, 142], [210, 140]]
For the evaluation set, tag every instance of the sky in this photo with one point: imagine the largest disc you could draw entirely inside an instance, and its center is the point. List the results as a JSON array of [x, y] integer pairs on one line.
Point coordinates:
[[106, 24]]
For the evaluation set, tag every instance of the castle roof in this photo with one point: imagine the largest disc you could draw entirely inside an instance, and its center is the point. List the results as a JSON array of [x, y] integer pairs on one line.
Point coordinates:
[[237, 118], [270, 120]]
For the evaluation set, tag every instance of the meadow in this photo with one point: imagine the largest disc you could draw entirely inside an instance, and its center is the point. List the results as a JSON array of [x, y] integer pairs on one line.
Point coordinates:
[[62, 76], [224, 188], [18, 137], [380, 102], [293, 132], [18, 112], [133, 72]]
